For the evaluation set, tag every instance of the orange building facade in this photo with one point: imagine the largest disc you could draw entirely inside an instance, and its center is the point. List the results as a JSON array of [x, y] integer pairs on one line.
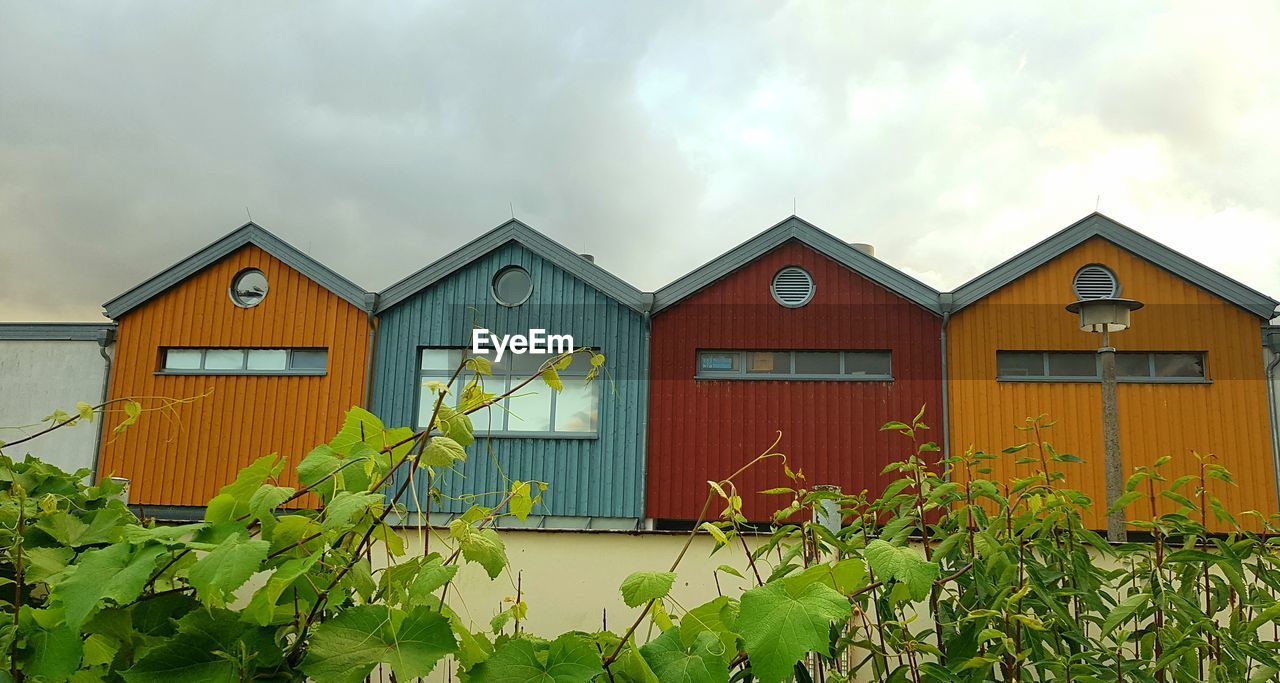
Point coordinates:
[[1195, 379], [271, 347]]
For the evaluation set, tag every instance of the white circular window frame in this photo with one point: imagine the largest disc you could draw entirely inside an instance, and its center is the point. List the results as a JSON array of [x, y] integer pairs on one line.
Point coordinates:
[[235, 280], [493, 286], [1115, 281], [773, 287]]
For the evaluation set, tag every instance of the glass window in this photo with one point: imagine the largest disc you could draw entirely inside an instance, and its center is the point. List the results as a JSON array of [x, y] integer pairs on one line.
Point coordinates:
[[1073, 365], [530, 409], [817, 363], [714, 361], [1133, 365], [1019, 364], [1179, 364], [441, 359], [577, 406], [224, 359], [309, 359], [248, 288], [875, 363], [182, 359], [268, 359], [771, 362], [512, 286]]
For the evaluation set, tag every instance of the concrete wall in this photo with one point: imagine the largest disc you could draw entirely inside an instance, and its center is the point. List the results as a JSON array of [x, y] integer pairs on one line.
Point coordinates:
[[38, 377]]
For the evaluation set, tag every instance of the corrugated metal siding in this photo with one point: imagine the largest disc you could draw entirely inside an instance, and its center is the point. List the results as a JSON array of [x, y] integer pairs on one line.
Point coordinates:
[[184, 458], [587, 477], [1228, 417], [702, 430]]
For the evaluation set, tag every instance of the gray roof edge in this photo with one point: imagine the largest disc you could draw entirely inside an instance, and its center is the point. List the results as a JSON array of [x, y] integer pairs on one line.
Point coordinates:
[[538, 243], [1100, 225], [816, 238], [249, 233], [55, 331]]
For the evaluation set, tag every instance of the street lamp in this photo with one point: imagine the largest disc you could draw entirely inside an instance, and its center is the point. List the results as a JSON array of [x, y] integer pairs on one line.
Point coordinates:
[[1106, 316]]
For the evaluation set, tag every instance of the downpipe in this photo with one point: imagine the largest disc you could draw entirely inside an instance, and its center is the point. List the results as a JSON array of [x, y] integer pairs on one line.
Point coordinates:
[[1271, 339], [105, 339]]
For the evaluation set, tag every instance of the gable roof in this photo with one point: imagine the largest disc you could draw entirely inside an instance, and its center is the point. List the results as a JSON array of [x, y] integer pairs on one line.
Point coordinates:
[[249, 233], [1098, 225], [796, 228], [536, 242]]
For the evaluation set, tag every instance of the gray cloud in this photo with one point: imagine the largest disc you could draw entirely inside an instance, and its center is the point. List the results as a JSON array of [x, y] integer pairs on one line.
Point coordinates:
[[379, 137]]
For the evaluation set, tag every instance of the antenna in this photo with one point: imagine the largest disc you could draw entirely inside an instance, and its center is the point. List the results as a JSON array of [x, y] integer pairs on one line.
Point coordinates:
[[1097, 202], [793, 206], [246, 212], [512, 206]]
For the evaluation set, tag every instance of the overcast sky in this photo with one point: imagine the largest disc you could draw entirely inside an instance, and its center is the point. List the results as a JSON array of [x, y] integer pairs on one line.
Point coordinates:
[[655, 135]]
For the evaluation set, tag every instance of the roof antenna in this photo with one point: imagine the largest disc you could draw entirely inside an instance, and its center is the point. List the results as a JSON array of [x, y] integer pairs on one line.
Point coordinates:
[[1097, 202], [793, 206], [246, 212], [512, 206]]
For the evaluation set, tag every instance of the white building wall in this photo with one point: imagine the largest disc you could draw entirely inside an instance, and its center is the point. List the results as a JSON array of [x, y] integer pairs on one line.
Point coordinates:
[[38, 377]]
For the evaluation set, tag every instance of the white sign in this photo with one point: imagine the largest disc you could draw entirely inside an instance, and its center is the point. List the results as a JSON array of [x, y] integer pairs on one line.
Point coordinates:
[[537, 341]]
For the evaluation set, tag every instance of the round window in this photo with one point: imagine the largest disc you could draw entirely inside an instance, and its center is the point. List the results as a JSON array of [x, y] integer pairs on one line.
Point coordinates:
[[248, 288], [512, 286]]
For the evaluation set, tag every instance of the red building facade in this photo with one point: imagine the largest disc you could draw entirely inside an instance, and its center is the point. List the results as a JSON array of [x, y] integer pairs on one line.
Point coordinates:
[[748, 346]]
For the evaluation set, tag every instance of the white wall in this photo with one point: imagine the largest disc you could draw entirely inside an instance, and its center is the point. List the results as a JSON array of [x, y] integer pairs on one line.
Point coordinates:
[[37, 377]]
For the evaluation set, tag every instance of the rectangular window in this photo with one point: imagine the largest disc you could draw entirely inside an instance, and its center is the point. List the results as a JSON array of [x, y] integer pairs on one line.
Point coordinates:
[[1077, 366], [244, 361], [796, 365], [533, 411]]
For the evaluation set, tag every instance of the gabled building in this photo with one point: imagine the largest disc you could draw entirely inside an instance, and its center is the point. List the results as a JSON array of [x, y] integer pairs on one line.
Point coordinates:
[[586, 442], [45, 367], [794, 331], [271, 346], [1190, 368]]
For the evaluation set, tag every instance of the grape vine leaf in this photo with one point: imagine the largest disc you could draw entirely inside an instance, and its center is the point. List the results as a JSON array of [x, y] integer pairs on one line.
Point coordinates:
[[569, 659], [54, 655], [262, 606], [641, 587], [346, 506], [205, 649], [442, 451], [217, 575], [347, 647], [778, 628], [485, 548], [674, 662], [714, 617], [903, 564], [116, 572], [232, 502]]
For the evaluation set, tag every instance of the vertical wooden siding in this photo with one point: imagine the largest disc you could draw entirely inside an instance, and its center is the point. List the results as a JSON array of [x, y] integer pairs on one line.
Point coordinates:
[[185, 458], [598, 477], [702, 430], [1227, 418]]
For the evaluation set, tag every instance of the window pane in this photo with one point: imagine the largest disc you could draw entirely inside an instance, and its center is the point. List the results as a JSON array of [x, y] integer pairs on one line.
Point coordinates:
[[309, 359], [577, 406], [441, 359], [581, 364], [1179, 365], [268, 359], [182, 359], [427, 397], [1133, 365], [778, 363], [224, 359], [714, 361], [817, 362], [868, 363], [525, 364], [1073, 365], [530, 409], [1019, 364]]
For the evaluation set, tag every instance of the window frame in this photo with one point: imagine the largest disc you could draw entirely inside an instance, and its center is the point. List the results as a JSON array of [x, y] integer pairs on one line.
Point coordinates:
[[481, 431], [244, 370], [1096, 378], [742, 374]]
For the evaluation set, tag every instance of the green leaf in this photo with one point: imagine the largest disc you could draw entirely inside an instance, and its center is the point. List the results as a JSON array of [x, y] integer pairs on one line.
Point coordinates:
[[53, 655], [485, 548], [903, 564], [42, 563], [347, 647], [210, 645], [641, 587], [521, 502], [552, 379], [115, 572], [846, 577], [442, 451], [456, 425], [261, 608], [218, 574], [1124, 611], [675, 662], [1125, 500], [778, 629], [716, 618], [568, 659], [232, 502], [346, 508]]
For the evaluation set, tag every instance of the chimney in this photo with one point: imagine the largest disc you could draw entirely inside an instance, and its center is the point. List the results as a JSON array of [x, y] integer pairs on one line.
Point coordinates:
[[864, 248], [588, 258]]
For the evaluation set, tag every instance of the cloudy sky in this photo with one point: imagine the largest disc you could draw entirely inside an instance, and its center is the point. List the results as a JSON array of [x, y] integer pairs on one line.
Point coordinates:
[[379, 136]]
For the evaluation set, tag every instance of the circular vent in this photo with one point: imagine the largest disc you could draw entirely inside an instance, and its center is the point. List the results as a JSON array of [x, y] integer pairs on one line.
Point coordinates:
[[1095, 282], [792, 287]]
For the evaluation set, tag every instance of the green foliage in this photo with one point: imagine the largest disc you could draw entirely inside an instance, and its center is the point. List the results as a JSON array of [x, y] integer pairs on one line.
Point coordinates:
[[347, 647], [778, 628], [641, 587]]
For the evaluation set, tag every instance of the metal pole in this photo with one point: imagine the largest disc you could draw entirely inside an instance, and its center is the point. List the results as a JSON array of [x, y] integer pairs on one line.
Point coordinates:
[[1111, 441]]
